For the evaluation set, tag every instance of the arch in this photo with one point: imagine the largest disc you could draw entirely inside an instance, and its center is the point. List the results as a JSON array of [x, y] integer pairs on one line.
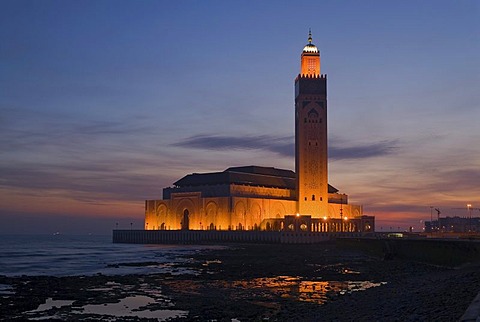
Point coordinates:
[[161, 213], [185, 220], [277, 225], [312, 113], [367, 226], [175, 221], [240, 213], [255, 216], [278, 210], [211, 211], [356, 212]]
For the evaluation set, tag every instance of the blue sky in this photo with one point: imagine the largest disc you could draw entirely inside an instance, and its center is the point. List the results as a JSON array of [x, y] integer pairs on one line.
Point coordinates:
[[104, 103]]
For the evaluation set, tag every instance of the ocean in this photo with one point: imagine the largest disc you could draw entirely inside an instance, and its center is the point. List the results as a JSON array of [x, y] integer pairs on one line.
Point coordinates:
[[70, 255]]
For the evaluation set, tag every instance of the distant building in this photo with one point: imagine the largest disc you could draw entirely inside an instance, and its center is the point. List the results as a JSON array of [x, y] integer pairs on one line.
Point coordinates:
[[453, 225], [265, 198]]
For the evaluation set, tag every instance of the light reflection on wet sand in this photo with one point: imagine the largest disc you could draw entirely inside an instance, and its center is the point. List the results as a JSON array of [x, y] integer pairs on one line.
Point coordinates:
[[305, 290]]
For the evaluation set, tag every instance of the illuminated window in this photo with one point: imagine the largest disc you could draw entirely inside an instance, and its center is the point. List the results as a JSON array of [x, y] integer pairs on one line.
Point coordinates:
[[311, 65]]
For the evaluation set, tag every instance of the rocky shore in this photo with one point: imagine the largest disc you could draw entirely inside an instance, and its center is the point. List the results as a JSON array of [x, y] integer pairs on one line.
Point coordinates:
[[252, 283]]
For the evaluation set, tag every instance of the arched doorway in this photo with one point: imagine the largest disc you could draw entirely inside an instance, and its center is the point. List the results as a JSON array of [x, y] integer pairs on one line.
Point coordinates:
[[186, 221]]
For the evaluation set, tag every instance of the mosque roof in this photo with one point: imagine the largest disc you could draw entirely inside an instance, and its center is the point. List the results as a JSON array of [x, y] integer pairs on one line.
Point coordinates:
[[310, 48], [246, 175]]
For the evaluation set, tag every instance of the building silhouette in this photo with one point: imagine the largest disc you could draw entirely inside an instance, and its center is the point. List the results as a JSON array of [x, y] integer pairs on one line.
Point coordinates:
[[454, 224]]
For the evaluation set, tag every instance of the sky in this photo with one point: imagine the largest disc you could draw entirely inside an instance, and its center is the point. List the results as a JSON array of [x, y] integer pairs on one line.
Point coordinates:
[[105, 103]]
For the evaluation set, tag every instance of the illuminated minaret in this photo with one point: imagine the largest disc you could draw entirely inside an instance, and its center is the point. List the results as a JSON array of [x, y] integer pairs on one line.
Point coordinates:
[[311, 135]]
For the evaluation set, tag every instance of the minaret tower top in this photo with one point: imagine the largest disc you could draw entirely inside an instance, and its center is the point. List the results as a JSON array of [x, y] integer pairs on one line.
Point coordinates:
[[310, 66]]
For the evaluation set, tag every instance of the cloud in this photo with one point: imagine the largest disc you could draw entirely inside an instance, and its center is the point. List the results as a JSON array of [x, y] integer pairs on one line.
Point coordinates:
[[462, 183], [362, 151], [284, 146], [92, 161], [99, 183], [281, 145], [30, 132]]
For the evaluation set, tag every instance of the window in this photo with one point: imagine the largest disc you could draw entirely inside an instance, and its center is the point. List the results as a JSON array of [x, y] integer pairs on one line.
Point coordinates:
[[313, 197]]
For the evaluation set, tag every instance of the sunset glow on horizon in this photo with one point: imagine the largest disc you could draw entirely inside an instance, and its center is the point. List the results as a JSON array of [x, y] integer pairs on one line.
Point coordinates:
[[103, 104]]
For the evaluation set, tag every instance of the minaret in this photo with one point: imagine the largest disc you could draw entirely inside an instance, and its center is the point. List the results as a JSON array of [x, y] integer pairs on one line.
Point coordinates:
[[311, 135]]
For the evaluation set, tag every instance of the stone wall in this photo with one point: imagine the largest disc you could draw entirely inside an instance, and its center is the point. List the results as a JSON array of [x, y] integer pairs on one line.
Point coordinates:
[[216, 237]]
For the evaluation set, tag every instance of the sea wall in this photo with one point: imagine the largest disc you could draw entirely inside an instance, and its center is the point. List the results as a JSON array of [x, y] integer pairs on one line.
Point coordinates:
[[444, 252], [223, 236]]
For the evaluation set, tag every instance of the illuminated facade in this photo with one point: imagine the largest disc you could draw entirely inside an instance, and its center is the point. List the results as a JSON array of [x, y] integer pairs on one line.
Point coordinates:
[[311, 156], [263, 198]]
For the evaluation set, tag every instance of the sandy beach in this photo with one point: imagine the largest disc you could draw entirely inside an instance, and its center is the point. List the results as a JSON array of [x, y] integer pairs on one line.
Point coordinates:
[[253, 283]]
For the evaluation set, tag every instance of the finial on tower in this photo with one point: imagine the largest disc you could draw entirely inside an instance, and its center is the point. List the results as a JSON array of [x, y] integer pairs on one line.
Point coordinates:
[[310, 48], [310, 65]]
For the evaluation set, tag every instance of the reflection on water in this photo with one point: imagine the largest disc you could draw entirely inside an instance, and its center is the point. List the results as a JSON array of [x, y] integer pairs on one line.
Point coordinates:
[[50, 304], [132, 306], [303, 290], [6, 289], [129, 300]]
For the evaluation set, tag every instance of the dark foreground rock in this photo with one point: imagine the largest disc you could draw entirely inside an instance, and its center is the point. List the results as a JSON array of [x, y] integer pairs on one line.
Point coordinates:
[[258, 283]]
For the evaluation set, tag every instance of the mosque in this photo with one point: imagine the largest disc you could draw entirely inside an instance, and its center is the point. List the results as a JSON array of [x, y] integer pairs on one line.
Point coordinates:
[[267, 198]]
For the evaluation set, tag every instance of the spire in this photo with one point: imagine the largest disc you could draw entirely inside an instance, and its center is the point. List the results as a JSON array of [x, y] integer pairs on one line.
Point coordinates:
[[310, 65], [310, 48]]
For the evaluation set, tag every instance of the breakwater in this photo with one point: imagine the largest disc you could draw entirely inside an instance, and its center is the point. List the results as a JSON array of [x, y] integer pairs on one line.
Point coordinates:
[[443, 252], [224, 236]]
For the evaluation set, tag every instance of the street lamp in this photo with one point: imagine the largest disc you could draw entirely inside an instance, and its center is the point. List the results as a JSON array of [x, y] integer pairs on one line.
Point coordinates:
[[431, 219], [469, 211], [341, 213]]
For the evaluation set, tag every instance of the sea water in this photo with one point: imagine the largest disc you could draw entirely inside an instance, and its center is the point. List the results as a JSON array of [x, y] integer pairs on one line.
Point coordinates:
[[67, 255], [64, 255]]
